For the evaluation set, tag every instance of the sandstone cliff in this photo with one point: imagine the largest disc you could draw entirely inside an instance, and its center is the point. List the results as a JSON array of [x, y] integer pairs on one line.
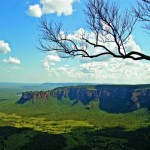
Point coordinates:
[[111, 98]]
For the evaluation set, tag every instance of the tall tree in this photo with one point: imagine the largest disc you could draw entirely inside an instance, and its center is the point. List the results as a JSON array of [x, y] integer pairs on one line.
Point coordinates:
[[107, 25]]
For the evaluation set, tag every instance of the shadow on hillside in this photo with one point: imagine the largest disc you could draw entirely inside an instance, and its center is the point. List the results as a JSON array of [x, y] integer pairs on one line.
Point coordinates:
[[31, 140], [115, 138], [85, 138]]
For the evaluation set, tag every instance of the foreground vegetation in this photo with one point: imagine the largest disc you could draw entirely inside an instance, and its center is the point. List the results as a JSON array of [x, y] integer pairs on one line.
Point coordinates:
[[54, 124]]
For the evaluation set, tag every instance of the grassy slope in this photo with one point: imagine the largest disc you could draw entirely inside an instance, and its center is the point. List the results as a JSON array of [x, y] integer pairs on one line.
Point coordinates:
[[71, 126]]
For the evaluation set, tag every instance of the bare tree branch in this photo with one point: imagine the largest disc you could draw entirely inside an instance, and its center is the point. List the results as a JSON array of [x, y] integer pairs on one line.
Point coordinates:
[[142, 11], [106, 23]]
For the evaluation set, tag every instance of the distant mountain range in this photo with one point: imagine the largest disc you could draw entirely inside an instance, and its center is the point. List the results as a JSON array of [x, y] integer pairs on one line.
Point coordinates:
[[46, 84], [39, 86], [65, 84]]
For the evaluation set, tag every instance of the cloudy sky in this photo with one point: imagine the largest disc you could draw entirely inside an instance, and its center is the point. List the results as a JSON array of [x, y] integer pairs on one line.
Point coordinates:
[[21, 61]]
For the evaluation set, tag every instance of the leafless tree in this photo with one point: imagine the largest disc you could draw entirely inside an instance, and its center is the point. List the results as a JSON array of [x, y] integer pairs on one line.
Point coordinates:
[[106, 24], [142, 11]]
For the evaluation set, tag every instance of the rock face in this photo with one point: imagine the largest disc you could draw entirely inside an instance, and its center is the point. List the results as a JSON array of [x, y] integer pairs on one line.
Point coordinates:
[[112, 98], [25, 97], [85, 95], [141, 97]]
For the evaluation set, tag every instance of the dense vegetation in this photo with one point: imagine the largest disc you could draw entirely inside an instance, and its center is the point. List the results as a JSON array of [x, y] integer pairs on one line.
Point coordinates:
[[54, 124]]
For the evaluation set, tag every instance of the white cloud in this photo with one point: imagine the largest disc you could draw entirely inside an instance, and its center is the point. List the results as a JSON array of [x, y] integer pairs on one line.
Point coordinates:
[[68, 73], [55, 68], [54, 58], [50, 60], [131, 45], [60, 7], [110, 71], [34, 11], [117, 71], [4, 47], [12, 60]]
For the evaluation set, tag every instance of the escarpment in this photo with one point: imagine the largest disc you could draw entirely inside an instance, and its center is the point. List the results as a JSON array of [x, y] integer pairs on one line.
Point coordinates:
[[111, 98]]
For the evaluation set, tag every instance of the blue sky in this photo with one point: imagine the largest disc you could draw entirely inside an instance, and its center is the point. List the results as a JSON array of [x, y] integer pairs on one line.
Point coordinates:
[[21, 61]]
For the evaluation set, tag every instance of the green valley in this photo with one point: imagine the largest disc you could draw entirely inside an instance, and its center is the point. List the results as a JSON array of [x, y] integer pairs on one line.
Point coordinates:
[[53, 124]]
